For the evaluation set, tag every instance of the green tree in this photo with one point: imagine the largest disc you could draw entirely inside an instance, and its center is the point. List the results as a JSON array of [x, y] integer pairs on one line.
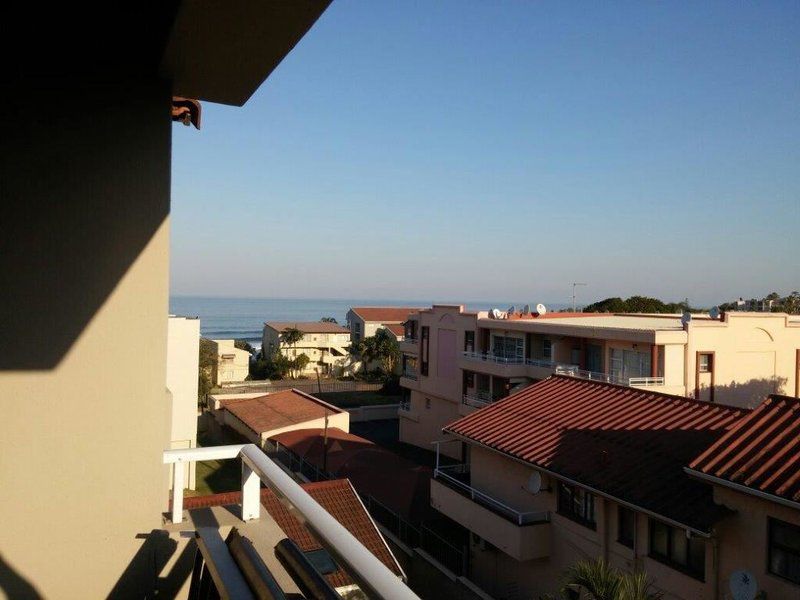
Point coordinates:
[[291, 336], [600, 581], [382, 347], [791, 304], [328, 320], [243, 345], [208, 355], [300, 363]]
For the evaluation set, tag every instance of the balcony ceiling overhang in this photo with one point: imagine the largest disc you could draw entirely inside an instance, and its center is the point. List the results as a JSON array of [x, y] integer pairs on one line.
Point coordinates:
[[223, 51]]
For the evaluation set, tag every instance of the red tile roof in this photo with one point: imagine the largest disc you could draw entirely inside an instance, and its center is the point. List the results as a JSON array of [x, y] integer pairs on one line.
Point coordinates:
[[399, 484], [625, 443], [279, 409], [384, 314], [396, 328], [761, 452], [338, 498], [307, 326]]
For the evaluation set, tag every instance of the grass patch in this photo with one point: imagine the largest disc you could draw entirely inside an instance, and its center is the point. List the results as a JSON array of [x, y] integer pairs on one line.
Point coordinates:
[[354, 399]]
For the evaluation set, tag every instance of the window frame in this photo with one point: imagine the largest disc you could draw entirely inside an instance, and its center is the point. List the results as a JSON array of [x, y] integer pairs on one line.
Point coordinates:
[[684, 567], [425, 335], [566, 508], [709, 367], [620, 539], [771, 522]]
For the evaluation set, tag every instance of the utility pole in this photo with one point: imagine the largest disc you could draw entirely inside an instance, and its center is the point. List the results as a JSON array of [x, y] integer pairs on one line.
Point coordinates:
[[574, 285]]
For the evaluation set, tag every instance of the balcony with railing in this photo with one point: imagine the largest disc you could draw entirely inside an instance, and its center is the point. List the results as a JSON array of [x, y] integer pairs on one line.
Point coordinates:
[[477, 399], [409, 345], [374, 578], [523, 535]]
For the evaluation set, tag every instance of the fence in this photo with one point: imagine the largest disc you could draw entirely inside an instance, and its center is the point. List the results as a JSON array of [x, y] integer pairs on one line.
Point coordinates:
[[444, 552], [373, 412], [309, 386]]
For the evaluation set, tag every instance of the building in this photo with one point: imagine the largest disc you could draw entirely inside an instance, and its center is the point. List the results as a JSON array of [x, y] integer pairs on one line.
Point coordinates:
[[258, 417], [571, 469], [183, 357], [364, 321], [456, 361], [231, 364], [86, 151], [325, 344], [341, 501]]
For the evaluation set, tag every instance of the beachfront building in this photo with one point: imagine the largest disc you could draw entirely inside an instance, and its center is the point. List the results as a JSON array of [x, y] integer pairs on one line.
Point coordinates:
[[464, 361], [325, 344], [571, 469], [364, 321], [86, 145], [183, 357], [259, 416], [231, 364]]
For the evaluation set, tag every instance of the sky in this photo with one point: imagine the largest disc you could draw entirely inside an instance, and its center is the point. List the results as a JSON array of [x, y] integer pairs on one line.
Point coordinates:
[[479, 150]]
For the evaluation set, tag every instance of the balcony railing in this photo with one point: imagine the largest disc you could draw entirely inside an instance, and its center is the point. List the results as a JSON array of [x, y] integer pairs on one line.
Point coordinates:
[[645, 381], [410, 340], [478, 399], [405, 405], [457, 477], [494, 358], [372, 576], [410, 374]]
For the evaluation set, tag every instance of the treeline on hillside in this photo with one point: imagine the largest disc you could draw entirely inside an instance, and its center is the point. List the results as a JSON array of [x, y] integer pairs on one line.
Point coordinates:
[[772, 302], [636, 304]]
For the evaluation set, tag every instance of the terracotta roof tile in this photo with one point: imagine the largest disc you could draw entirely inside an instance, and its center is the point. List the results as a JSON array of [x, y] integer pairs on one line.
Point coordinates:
[[627, 443], [396, 328], [762, 451], [279, 409], [338, 498]]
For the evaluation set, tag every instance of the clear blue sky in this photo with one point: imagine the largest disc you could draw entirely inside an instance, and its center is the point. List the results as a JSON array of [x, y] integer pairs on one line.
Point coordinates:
[[482, 150]]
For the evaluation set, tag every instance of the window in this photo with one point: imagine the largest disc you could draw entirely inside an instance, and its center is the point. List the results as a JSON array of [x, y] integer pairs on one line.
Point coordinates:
[[674, 547], [626, 525], [547, 349], [706, 363], [427, 403], [629, 363], [426, 334], [784, 550], [322, 561], [469, 341], [508, 347], [576, 504], [469, 381]]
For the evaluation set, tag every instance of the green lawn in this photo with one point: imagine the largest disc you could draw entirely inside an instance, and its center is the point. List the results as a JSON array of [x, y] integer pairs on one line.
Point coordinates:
[[353, 399]]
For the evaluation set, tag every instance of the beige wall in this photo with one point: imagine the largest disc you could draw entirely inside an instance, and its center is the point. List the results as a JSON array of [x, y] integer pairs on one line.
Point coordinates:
[[183, 357], [422, 425], [227, 370], [86, 417], [315, 346]]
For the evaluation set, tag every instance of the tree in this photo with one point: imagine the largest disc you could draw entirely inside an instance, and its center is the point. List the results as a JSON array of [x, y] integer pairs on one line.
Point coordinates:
[[300, 363], [291, 336], [243, 345], [383, 347], [791, 304], [637, 304], [600, 581], [328, 320], [208, 355]]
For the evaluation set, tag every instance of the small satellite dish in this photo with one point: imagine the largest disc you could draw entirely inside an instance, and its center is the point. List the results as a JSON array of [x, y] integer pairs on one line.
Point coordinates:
[[743, 585], [686, 318], [526, 310], [535, 482], [496, 314], [714, 312], [512, 310], [541, 309]]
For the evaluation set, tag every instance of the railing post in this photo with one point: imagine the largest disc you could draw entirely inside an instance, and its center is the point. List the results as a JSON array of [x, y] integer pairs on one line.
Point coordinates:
[[177, 492], [251, 494]]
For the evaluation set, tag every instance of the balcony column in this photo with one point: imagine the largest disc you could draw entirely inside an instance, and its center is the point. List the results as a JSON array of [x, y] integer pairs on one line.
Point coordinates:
[[251, 493], [177, 492], [654, 360]]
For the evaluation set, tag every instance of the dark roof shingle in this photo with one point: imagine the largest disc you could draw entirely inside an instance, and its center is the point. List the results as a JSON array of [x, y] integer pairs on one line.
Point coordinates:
[[627, 443], [761, 452]]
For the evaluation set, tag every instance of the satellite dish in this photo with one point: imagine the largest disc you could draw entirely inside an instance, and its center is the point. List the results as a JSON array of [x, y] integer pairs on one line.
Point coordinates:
[[526, 310], [512, 310], [743, 585], [686, 318], [541, 309], [535, 482], [714, 312], [496, 314]]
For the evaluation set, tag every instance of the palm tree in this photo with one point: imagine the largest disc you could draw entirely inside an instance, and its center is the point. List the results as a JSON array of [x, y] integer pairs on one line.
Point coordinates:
[[291, 336], [601, 581]]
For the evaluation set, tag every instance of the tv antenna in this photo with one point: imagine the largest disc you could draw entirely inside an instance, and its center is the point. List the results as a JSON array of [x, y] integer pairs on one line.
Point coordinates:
[[574, 285]]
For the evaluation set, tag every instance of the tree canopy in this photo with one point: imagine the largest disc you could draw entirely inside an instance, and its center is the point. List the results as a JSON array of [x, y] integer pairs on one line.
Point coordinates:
[[243, 345], [636, 304]]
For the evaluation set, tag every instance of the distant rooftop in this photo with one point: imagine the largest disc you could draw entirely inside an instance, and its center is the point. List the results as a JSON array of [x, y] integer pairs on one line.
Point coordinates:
[[384, 314], [629, 444], [307, 326], [277, 410], [396, 328]]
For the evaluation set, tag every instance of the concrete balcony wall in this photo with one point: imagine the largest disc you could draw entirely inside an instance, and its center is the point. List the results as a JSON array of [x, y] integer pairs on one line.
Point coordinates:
[[408, 347], [526, 542]]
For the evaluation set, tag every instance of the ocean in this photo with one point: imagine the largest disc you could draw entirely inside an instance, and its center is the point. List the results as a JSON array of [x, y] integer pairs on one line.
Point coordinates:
[[243, 318]]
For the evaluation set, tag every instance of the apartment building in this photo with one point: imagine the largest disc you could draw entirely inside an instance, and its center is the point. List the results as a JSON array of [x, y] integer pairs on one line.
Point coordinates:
[[364, 321], [734, 358], [183, 358], [325, 344], [87, 129], [231, 364], [571, 469]]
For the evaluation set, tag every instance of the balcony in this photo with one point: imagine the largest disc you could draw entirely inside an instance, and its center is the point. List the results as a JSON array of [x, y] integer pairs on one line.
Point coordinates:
[[372, 576], [492, 364], [409, 345], [521, 535], [409, 379], [478, 399]]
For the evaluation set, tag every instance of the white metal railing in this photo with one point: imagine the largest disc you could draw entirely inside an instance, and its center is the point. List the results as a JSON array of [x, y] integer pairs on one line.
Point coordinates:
[[494, 358], [372, 576], [645, 381], [477, 399], [410, 340], [518, 517], [574, 371], [409, 374]]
